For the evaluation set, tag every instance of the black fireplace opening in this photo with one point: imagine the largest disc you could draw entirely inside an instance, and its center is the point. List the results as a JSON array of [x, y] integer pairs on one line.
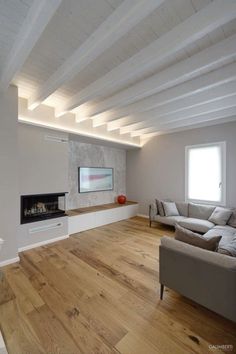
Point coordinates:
[[42, 206]]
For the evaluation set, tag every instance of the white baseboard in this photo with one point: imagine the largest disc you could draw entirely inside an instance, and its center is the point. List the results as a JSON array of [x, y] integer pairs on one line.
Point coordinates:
[[42, 243], [9, 261], [143, 216]]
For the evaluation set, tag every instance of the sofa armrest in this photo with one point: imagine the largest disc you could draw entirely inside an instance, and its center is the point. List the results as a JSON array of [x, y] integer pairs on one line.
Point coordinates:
[[207, 277], [199, 254]]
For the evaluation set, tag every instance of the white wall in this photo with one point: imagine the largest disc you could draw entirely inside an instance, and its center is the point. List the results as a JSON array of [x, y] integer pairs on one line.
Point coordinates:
[[43, 164], [89, 155], [158, 169], [9, 194], [43, 168]]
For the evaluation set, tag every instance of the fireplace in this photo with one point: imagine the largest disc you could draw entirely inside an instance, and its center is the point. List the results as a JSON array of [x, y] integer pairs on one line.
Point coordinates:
[[42, 206]]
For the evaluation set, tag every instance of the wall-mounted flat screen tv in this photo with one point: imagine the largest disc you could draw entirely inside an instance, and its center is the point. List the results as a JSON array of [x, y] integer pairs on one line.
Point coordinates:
[[95, 179]]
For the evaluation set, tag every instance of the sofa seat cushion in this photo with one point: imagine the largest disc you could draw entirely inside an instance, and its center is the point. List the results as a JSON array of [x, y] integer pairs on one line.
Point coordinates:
[[197, 225], [169, 220], [200, 211], [228, 233], [225, 228]]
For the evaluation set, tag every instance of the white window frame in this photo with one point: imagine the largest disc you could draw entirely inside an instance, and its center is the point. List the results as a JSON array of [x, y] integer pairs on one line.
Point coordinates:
[[222, 145]]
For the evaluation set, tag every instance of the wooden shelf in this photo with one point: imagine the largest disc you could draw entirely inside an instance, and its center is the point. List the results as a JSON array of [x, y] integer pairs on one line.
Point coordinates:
[[96, 208]]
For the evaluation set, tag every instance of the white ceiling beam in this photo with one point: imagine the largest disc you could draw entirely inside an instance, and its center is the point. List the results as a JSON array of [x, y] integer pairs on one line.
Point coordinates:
[[200, 97], [200, 84], [208, 59], [121, 21], [195, 27], [39, 15], [220, 116], [200, 110]]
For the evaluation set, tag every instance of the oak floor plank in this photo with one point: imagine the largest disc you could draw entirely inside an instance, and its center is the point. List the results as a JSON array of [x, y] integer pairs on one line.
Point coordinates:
[[98, 293], [52, 333], [6, 293], [70, 306], [17, 330], [27, 298]]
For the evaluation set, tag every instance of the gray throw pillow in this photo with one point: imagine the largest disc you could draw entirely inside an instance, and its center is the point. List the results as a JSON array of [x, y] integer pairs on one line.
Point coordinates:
[[170, 209], [220, 216], [194, 239], [232, 220], [228, 248], [160, 208]]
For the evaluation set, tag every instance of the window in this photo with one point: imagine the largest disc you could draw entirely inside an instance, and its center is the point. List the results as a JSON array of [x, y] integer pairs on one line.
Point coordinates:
[[205, 173]]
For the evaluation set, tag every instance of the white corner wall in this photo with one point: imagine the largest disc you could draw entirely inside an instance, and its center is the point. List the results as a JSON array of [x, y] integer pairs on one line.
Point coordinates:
[[43, 164], [9, 193], [158, 169]]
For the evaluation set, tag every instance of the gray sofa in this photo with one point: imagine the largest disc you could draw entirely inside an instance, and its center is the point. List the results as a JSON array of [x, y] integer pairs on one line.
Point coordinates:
[[191, 216], [207, 277]]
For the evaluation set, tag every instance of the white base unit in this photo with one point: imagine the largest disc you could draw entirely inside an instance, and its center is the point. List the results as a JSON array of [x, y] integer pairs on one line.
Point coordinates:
[[87, 221], [42, 232]]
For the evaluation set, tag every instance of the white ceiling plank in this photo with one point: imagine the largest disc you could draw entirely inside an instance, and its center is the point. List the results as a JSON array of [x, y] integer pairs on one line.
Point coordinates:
[[215, 121], [118, 118], [209, 59], [123, 19], [195, 27], [36, 21], [220, 116], [201, 96], [200, 110]]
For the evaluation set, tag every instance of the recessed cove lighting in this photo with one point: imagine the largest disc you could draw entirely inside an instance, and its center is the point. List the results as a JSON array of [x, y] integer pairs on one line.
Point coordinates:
[[34, 105]]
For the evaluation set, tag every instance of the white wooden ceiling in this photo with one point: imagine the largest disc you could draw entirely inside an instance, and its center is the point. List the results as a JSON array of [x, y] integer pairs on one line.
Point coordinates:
[[131, 68]]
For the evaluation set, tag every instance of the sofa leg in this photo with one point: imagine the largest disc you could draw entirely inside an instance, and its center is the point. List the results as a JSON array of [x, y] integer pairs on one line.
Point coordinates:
[[162, 292]]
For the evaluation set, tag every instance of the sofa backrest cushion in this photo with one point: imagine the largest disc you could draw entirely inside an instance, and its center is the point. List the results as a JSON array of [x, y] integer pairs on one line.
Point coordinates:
[[194, 239], [200, 211], [232, 220], [182, 208], [220, 216]]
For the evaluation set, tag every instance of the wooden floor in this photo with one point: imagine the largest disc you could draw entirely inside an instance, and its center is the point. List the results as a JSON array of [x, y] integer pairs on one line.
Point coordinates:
[[98, 292]]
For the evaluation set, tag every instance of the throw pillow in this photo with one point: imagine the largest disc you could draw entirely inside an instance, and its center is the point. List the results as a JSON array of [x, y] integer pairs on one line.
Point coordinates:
[[170, 209], [194, 239], [229, 248], [232, 220], [160, 209], [220, 216]]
